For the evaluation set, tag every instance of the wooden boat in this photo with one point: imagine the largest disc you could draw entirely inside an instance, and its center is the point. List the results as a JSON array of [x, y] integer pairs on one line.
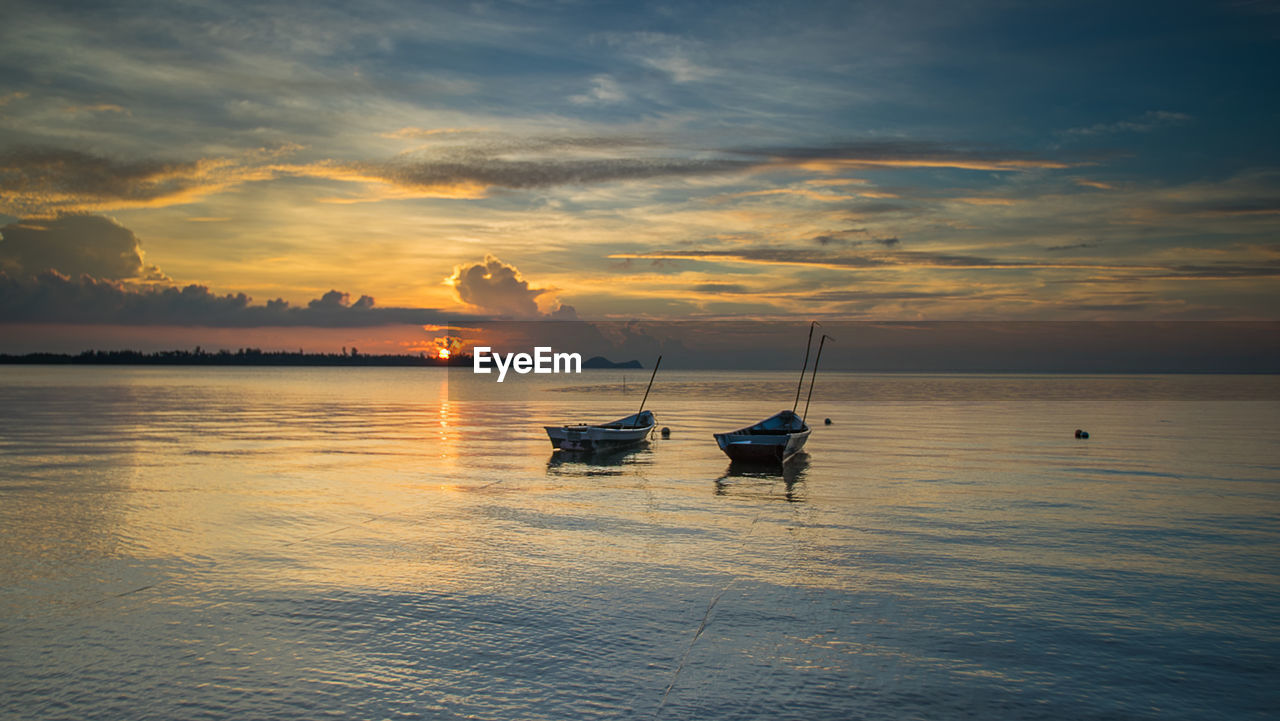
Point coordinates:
[[774, 439], [619, 434], [780, 436], [615, 435]]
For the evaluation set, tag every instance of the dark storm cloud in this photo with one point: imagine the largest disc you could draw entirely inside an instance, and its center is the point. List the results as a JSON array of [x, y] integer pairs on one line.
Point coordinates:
[[52, 297], [74, 245]]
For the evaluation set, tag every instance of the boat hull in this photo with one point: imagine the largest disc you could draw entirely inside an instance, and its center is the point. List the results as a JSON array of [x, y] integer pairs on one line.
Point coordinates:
[[619, 434], [761, 449], [775, 439]]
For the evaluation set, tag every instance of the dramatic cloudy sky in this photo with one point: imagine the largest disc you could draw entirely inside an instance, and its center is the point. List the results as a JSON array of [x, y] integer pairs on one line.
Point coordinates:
[[342, 172]]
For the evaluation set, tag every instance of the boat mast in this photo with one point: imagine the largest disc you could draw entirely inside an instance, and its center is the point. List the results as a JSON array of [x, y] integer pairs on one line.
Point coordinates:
[[804, 367], [814, 377], [646, 392]]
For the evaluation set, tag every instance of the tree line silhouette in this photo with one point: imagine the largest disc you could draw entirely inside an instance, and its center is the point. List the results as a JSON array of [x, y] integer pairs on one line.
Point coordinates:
[[241, 357]]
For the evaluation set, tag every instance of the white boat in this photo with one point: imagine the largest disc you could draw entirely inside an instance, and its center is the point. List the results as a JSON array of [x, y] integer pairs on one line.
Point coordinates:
[[611, 436], [772, 440]]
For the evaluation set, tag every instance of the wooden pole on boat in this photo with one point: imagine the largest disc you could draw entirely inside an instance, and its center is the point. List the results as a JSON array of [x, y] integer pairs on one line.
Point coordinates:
[[814, 377], [804, 367], [646, 392]]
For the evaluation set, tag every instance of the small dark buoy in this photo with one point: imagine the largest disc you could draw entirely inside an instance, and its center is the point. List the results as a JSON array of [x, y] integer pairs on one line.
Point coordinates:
[[666, 432], [827, 422], [1081, 433]]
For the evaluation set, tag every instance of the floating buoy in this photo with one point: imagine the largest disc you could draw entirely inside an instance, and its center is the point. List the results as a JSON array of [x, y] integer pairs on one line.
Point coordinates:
[[1081, 433], [827, 422], [666, 432]]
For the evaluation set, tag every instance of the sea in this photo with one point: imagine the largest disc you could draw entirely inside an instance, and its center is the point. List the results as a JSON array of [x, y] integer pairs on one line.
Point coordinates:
[[404, 543]]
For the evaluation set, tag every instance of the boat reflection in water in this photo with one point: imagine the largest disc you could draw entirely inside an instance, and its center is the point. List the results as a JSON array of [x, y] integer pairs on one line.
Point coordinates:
[[760, 479], [599, 463]]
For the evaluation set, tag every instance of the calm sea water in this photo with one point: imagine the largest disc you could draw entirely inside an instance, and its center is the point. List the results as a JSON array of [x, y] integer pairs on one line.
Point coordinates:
[[365, 544]]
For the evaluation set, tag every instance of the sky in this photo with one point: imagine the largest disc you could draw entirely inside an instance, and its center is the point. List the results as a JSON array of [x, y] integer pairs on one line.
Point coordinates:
[[315, 175]]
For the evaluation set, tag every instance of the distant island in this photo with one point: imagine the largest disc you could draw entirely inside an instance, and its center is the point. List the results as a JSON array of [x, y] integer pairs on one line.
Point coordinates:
[[259, 357], [602, 362]]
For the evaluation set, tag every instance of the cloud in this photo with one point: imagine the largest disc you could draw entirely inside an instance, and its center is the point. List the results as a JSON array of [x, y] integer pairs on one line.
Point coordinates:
[[98, 108], [52, 297], [985, 201], [75, 245], [722, 288], [412, 133], [474, 169], [847, 296], [1150, 120], [1227, 206], [563, 312], [474, 173], [841, 239], [1223, 271], [46, 181], [604, 89], [1098, 184], [11, 97], [831, 239], [1101, 272], [803, 193], [496, 287], [901, 154], [680, 58], [336, 299], [769, 256], [882, 260]]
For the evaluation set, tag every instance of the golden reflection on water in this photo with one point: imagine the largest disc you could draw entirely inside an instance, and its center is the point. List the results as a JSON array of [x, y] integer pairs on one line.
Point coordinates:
[[451, 517]]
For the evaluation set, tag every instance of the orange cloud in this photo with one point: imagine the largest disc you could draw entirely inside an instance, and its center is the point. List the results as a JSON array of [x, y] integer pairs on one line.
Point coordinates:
[[1095, 184], [416, 133]]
